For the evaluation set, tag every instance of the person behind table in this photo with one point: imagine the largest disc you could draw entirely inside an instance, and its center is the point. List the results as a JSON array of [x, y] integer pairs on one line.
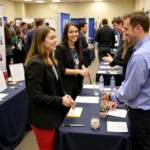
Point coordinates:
[[127, 53], [70, 60], [44, 89], [135, 90]]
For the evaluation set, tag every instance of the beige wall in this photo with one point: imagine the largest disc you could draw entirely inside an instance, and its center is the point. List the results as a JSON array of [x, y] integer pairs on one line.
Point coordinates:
[[97, 10], [140, 4], [9, 9]]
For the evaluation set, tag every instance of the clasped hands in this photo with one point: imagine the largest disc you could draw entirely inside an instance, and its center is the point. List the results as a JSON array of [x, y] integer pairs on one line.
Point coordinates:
[[111, 104], [68, 101], [85, 72]]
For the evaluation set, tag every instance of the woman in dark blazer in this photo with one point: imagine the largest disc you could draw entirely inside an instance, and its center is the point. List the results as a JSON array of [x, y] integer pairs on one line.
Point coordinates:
[[70, 60], [46, 96], [127, 53]]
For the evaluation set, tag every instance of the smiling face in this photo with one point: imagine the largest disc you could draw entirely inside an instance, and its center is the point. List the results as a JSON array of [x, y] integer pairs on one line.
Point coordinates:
[[50, 41], [73, 34], [130, 32]]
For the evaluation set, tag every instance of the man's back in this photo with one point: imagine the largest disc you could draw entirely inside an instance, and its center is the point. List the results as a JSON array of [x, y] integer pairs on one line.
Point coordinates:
[[105, 37]]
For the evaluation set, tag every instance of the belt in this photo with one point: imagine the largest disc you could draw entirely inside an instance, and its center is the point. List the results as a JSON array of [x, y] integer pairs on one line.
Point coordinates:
[[128, 108]]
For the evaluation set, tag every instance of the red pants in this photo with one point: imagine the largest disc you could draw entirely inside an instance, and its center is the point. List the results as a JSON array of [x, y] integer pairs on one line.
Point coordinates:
[[45, 138]]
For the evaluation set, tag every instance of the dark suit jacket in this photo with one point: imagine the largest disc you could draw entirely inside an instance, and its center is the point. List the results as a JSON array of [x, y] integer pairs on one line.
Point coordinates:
[[44, 94], [65, 60], [86, 51]]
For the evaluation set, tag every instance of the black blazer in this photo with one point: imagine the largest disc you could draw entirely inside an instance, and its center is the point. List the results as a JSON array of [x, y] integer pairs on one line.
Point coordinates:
[[123, 62], [86, 51], [65, 60], [45, 94]]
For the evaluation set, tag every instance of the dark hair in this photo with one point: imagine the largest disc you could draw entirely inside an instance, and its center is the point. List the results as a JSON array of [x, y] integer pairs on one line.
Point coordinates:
[[18, 31], [29, 26], [47, 24], [22, 24], [11, 22], [117, 20], [37, 49], [8, 35], [77, 43], [81, 25], [138, 18], [104, 21], [39, 22], [7, 24]]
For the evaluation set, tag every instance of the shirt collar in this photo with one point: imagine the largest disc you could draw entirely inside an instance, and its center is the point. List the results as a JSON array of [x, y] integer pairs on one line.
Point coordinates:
[[140, 43]]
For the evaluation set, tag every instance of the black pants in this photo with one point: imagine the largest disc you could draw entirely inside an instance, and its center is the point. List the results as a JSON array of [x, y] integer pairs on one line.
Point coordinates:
[[140, 128], [102, 51]]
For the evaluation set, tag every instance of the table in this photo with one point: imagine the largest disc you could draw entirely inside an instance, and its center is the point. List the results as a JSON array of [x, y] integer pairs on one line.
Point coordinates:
[[107, 75], [86, 138], [13, 111]]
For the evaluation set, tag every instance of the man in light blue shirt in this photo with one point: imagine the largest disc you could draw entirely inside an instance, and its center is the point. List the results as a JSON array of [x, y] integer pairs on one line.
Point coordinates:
[[135, 90]]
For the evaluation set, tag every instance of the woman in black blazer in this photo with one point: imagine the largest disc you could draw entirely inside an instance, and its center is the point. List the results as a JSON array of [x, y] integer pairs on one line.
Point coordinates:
[[70, 60], [46, 96], [127, 53]]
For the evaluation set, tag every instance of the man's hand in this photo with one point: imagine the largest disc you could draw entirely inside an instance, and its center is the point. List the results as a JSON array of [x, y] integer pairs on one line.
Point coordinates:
[[112, 105], [108, 58], [106, 96]]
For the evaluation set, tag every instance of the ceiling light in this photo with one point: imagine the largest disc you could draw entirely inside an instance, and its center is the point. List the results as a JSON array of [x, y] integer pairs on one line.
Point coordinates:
[[98, 0], [56, 1], [40, 1], [27, 0]]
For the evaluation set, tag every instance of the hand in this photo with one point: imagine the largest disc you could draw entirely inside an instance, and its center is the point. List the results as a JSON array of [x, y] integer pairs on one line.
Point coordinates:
[[106, 96], [89, 71], [108, 58], [84, 73], [91, 47], [68, 101], [13, 47], [112, 105]]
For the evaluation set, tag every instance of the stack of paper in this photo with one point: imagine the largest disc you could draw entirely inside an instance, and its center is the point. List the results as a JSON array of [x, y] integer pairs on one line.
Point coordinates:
[[101, 72], [113, 72], [2, 95], [88, 86], [117, 113], [87, 99], [105, 67], [75, 113], [116, 126]]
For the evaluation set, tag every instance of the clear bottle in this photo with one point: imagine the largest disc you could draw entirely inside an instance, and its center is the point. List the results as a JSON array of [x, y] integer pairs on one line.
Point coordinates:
[[101, 84], [11, 61], [112, 84]]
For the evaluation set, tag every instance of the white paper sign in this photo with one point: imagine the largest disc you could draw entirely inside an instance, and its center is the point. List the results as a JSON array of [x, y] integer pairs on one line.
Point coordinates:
[[117, 113], [17, 72], [2, 95], [101, 71], [105, 67], [116, 126], [3, 85], [88, 86], [87, 99]]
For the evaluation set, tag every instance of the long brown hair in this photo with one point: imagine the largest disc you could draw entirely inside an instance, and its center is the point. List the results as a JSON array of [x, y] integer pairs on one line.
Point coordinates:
[[37, 49], [77, 43], [125, 48], [8, 35]]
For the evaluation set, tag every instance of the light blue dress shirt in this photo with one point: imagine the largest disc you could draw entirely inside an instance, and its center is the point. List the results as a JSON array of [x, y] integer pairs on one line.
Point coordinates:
[[135, 90]]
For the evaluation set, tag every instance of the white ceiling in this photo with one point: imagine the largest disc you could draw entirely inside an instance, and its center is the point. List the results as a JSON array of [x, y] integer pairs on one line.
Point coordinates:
[[48, 1]]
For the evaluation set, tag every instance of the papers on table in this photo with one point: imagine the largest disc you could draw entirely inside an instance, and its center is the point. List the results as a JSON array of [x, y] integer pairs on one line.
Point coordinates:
[[116, 126], [113, 72], [17, 72], [75, 113], [2, 95], [87, 99], [106, 63], [3, 85], [101, 71], [88, 86], [117, 113], [105, 67]]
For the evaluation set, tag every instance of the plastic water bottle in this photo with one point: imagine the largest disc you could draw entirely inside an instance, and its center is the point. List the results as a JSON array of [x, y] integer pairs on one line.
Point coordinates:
[[112, 84], [101, 84]]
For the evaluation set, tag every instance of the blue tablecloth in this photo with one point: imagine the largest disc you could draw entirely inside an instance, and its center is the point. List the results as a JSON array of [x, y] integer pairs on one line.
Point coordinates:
[[13, 110], [86, 138], [107, 75]]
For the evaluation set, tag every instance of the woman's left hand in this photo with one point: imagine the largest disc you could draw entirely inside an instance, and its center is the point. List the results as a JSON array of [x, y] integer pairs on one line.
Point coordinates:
[[108, 58]]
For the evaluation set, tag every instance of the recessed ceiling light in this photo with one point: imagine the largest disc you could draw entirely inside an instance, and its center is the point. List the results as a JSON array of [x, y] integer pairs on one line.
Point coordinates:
[[27, 0], [56, 1], [40, 1]]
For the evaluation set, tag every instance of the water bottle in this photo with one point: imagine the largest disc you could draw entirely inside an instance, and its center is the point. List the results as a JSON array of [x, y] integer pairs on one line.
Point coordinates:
[[101, 84], [112, 84]]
